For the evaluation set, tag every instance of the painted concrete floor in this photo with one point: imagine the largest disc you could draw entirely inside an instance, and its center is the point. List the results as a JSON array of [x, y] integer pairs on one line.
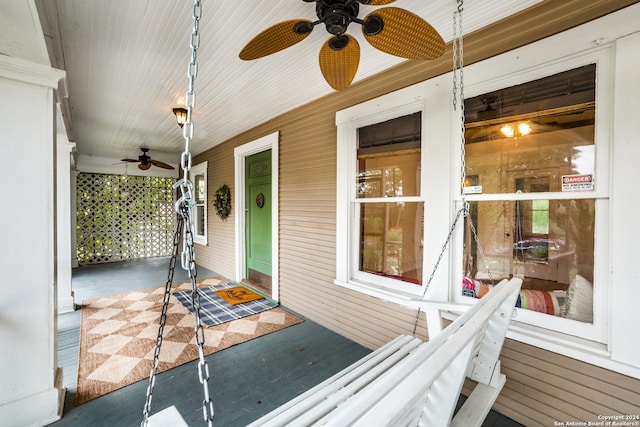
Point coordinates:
[[247, 380]]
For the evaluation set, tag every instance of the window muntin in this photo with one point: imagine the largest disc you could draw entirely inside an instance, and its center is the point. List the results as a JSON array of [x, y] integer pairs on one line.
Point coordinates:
[[390, 224], [540, 231]]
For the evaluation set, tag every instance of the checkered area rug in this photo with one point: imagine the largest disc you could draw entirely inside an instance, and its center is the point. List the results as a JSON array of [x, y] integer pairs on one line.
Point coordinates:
[[214, 310], [118, 335]]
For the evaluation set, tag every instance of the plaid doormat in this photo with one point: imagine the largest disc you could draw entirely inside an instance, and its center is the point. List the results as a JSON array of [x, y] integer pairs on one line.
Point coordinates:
[[214, 310]]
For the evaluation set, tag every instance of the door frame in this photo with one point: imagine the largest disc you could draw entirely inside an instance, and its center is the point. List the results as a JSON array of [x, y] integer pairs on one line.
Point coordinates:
[[267, 142]]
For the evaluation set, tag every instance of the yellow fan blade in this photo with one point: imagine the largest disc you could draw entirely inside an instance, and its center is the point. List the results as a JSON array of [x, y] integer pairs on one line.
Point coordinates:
[[275, 39], [160, 164], [339, 58], [404, 34]]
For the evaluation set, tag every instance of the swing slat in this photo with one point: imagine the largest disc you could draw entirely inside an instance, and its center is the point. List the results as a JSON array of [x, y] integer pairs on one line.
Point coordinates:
[[168, 417]]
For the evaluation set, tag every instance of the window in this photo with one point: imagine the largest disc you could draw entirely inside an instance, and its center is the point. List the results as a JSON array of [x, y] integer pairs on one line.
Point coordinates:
[[381, 207], [530, 149], [199, 179], [388, 158]]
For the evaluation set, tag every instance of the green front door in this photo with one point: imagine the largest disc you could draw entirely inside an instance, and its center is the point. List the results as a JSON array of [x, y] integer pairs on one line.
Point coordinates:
[[258, 219]]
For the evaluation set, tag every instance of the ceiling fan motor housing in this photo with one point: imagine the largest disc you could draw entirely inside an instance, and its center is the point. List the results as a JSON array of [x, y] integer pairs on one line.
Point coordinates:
[[337, 14]]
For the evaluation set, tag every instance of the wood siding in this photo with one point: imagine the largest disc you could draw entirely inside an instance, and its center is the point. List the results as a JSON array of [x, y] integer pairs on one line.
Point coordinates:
[[542, 386]]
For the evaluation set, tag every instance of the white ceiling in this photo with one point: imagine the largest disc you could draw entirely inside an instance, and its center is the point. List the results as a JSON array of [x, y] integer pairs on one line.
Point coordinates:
[[126, 64]]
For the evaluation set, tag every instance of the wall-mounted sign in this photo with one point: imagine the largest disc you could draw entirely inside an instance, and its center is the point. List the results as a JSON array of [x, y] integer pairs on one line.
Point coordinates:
[[577, 182]]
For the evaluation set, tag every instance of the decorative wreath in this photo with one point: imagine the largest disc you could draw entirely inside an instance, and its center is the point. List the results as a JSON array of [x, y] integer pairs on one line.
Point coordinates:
[[222, 202]]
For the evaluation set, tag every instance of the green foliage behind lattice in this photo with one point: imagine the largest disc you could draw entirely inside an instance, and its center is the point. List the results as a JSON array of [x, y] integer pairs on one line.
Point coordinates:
[[122, 217]]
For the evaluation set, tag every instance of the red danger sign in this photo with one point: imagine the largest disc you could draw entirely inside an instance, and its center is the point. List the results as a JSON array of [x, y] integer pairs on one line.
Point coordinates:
[[577, 182], [571, 179]]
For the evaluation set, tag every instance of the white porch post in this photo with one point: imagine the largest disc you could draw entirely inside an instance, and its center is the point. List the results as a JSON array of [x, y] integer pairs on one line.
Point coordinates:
[[74, 204], [63, 206], [31, 392]]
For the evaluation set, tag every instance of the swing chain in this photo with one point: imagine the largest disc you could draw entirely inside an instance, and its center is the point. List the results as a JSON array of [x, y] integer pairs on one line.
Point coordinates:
[[183, 206], [458, 94], [163, 321], [184, 184], [203, 366]]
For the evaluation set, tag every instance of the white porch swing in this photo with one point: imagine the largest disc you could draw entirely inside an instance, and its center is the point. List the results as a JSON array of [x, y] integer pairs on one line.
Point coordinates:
[[406, 382]]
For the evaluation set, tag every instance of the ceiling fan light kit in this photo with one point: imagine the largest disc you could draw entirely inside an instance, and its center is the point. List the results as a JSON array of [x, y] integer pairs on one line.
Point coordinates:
[[390, 29]]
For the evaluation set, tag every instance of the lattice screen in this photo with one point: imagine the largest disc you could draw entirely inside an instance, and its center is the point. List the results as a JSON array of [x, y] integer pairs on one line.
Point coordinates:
[[122, 217]]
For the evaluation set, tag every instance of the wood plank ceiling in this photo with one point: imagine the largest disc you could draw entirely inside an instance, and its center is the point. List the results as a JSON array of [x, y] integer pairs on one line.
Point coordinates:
[[126, 63]]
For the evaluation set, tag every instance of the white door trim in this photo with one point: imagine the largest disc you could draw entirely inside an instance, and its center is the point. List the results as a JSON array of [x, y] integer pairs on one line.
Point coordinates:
[[268, 142]]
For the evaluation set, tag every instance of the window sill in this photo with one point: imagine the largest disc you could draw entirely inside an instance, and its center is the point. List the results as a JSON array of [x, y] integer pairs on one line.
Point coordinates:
[[378, 291]]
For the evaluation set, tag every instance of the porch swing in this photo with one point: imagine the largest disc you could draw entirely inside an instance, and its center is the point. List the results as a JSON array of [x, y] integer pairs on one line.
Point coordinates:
[[406, 382]]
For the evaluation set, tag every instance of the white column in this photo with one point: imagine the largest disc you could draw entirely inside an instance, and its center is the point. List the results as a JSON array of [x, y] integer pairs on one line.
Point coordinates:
[[31, 392], [625, 292], [74, 205], [63, 219]]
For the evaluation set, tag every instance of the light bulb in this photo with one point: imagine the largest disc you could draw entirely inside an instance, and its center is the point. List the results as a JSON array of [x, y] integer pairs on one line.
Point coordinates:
[[508, 131], [524, 128]]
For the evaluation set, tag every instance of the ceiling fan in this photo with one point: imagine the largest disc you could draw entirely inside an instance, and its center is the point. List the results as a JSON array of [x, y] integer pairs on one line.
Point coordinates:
[[146, 161], [390, 29]]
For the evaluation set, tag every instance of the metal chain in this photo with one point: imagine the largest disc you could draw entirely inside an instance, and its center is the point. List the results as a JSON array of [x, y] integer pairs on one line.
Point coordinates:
[[458, 94], [185, 185], [184, 206], [163, 321], [203, 366]]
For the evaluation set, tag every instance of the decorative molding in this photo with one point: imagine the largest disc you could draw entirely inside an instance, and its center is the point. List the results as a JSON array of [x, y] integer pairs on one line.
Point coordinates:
[[30, 72]]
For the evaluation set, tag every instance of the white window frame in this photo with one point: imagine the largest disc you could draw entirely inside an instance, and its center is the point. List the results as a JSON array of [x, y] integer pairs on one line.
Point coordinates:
[[200, 169], [401, 103], [608, 342], [482, 79]]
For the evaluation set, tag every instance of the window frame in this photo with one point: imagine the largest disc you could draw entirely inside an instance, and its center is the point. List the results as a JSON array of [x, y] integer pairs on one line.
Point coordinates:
[[200, 169], [484, 81], [387, 107]]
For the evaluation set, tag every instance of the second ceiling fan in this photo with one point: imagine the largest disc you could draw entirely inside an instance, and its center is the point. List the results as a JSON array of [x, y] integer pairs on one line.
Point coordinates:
[[390, 29], [145, 162]]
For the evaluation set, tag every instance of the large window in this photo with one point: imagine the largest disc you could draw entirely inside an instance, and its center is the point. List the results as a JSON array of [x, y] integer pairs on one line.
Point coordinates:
[[381, 205], [388, 158], [530, 149]]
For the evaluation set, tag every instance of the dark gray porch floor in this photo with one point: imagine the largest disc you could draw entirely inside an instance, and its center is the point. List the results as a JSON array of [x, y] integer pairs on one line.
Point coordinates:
[[247, 380]]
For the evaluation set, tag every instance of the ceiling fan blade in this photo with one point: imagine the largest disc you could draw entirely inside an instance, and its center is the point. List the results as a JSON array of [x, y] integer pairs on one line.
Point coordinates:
[[376, 2], [160, 164], [339, 58], [144, 166], [130, 160], [402, 33], [276, 38]]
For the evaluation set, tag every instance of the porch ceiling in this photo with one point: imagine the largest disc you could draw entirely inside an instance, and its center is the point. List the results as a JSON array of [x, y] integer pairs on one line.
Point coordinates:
[[126, 63]]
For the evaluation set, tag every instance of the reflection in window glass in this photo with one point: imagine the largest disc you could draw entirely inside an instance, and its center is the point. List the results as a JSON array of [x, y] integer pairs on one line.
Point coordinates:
[[558, 139], [556, 266], [391, 237], [534, 138]]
